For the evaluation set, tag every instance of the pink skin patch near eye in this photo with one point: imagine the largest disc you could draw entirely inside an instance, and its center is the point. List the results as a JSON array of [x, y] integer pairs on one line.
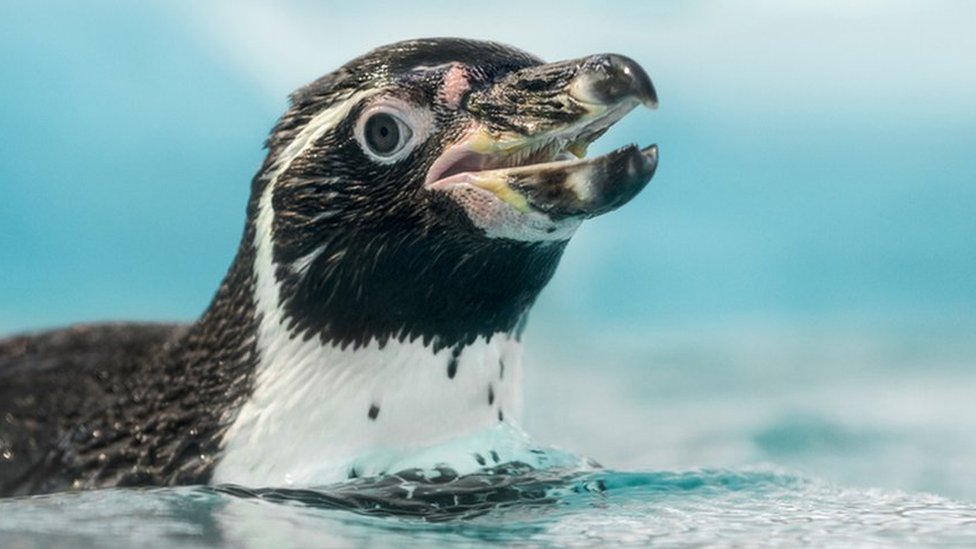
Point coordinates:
[[455, 85]]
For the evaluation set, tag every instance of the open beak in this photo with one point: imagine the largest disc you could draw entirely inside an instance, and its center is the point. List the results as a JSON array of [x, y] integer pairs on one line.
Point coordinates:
[[527, 148]]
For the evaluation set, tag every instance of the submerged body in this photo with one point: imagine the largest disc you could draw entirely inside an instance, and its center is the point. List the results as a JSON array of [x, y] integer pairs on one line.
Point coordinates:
[[412, 205]]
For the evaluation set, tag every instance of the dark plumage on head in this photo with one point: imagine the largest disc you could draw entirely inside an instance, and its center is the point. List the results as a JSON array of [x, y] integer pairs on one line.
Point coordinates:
[[425, 190]]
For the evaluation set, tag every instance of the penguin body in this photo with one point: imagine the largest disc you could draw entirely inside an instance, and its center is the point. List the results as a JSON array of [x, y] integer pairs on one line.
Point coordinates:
[[412, 205]]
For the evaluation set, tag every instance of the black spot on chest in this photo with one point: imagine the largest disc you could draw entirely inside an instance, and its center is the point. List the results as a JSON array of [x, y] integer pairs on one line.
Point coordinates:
[[452, 363]]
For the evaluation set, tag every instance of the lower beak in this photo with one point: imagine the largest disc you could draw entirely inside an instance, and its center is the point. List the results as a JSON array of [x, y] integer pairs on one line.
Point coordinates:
[[573, 188]]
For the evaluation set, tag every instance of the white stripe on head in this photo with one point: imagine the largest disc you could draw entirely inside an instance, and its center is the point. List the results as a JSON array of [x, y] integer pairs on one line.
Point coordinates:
[[267, 294], [324, 121]]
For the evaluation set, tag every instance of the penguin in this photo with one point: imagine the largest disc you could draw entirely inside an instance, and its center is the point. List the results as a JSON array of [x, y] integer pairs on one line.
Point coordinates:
[[412, 205]]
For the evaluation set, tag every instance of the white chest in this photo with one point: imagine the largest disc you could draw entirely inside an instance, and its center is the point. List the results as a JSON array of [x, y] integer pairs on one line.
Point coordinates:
[[320, 414]]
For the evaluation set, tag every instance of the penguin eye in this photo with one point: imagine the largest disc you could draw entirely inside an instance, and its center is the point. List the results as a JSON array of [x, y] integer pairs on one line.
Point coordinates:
[[390, 128], [385, 134]]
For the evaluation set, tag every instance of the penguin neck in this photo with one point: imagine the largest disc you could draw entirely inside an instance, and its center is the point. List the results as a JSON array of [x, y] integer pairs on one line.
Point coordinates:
[[321, 412]]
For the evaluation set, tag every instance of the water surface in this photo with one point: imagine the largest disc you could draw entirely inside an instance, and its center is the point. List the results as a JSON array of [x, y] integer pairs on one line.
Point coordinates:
[[719, 507]]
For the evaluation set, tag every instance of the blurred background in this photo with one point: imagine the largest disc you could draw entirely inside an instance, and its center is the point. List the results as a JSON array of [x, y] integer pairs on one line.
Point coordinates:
[[796, 287]]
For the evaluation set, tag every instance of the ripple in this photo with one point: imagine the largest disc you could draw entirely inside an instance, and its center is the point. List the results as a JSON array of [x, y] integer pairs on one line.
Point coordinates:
[[754, 507]]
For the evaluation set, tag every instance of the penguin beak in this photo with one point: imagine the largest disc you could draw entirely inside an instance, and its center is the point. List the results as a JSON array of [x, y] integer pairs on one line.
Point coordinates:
[[527, 146]]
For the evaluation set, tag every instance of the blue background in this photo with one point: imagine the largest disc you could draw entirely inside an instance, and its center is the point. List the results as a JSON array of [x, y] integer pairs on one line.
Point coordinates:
[[814, 213]]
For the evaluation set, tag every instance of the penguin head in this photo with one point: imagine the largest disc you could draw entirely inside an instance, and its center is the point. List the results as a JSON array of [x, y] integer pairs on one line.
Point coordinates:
[[428, 188]]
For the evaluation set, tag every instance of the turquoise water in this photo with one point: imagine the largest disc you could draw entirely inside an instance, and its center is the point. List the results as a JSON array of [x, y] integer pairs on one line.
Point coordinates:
[[774, 344]]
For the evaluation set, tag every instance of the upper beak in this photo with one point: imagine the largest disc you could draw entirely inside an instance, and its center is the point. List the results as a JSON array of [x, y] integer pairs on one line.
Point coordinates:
[[566, 99]]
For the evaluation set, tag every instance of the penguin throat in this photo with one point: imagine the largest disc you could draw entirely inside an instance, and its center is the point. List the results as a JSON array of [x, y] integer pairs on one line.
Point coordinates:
[[405, 287]]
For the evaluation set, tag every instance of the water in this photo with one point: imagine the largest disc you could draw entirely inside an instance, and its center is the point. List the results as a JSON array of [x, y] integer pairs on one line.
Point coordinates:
[[719, 507]]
